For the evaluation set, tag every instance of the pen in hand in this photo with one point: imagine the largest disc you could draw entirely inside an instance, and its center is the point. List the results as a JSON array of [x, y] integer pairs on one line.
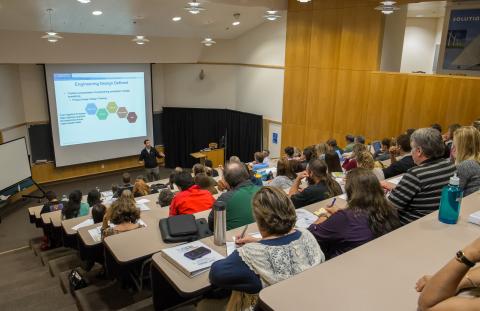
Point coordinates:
[[333, 202]]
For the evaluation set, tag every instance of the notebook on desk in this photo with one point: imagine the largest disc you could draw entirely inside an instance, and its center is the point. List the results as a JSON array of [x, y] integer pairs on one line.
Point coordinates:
[[192, 258]]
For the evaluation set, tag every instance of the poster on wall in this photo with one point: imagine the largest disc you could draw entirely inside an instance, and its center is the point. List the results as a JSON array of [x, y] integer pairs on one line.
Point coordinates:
[[461, 41]]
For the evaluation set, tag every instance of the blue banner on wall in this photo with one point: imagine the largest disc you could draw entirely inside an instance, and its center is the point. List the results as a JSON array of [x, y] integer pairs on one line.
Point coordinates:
[[462, 46]]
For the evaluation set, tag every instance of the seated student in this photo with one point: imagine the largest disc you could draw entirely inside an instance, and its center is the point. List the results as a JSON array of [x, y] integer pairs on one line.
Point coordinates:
[[165, 197], [126, 184], [333, 162], [418, 192], [351, 163], [383, 154], [359, 140], [400, 157], [332, 143], [197, 169], [124, 215], [191, 199], [171, 178], [448, 138], [141, 177], [296, 166], [365, 160], [258, 164], [350, 139], [282, 252], [308, 155], [234, 159], [437, 127], [297, 153], [367, 216], [98, 212], [75, 207], [409, 132], [439, 292], [476, 124], [285, 175], [205, 182], [94, 197], [321, 149], [466, 152], [238, 198], [52, 204], [209, 164], [266, 156], [289, 152], [140, 188], [321, 185]]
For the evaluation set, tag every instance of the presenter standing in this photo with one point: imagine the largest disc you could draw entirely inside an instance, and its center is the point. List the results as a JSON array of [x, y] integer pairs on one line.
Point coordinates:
[[149, 157]]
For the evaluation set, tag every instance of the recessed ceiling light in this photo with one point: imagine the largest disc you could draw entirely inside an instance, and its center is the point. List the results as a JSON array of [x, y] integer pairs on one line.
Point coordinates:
[[140, 40], [176, 19], [420, 15], [236, 23], [236, 18], [304, 1], [97, 13], [208, 42], [84, 1], [194, 7], [272, 15]]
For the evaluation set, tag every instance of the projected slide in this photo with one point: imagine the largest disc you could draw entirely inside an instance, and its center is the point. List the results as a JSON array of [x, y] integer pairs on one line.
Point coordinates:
[[95, 107]]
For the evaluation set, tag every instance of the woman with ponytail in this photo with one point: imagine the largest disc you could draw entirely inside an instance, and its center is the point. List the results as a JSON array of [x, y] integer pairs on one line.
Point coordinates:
[[367, 216], [321, 185]]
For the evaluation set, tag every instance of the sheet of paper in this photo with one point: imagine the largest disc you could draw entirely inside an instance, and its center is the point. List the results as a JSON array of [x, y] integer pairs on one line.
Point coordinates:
[[143, 207], [96, 233], [343, 196], [304, 218], [231, 247], [395, 180], [142, 201], [85, 223]]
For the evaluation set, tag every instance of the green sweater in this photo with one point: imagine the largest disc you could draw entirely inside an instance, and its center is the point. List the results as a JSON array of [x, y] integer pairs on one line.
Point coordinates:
[[84, 209], [238, 205]]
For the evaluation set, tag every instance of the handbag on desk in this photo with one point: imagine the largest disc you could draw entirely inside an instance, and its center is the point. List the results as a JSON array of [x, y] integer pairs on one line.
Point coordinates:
[[183, 228]]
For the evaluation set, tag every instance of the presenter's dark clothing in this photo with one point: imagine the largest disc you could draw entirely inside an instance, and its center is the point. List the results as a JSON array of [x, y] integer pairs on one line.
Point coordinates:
[[149, 157]]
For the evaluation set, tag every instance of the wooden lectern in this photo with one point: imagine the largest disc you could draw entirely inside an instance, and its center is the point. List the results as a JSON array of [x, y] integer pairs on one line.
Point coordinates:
[[217, 156]]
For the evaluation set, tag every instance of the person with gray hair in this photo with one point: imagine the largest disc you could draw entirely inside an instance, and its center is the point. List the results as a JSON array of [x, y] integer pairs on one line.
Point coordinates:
[[238, 198], [418, 192]]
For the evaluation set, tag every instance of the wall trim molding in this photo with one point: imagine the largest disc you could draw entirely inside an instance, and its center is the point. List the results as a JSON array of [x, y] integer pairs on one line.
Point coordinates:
[[227, 64]]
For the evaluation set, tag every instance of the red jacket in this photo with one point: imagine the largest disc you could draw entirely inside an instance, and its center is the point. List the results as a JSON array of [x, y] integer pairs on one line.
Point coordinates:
[[191, 201], [349, 164]]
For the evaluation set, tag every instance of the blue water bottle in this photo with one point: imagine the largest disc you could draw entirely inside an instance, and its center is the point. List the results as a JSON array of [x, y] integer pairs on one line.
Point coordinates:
[[450, 201]]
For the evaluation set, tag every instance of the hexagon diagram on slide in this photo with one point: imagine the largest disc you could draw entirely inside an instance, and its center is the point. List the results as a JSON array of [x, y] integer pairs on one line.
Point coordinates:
[[91, 109], [122, 112], [112, 107], [132, 117], [102, 114]]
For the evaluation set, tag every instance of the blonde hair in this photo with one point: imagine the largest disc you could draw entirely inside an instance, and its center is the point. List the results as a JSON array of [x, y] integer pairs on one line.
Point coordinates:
[[467, 143], [141, 188], [322, 148], [365, 160]]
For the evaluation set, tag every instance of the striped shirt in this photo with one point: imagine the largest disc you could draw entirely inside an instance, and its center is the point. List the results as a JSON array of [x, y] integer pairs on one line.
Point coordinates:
[[418, 192]]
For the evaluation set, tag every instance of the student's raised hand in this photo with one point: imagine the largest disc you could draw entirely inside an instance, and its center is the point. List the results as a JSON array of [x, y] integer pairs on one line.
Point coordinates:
[[246, 239], [420, 285]]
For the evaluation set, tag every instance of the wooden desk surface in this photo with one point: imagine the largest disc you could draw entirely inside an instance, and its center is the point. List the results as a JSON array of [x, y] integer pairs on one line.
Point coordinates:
[[187, 286], [379, 275], [67, 224]]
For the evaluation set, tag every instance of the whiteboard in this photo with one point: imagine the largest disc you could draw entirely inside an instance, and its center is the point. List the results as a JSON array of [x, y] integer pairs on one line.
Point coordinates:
[[15, 163]]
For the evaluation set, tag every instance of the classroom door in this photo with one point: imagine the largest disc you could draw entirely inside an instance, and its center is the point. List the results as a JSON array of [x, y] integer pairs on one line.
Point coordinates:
[[274, 139]]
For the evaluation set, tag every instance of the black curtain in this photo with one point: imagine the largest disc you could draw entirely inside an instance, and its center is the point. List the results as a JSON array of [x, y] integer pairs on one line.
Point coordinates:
[[188, 130]]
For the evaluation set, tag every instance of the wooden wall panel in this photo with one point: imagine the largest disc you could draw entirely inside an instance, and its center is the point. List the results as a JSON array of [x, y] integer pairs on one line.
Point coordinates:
[[325, 39], [297, 50], [320, 116], [350, 104], [385, 105], [361, 37], [332, 86]]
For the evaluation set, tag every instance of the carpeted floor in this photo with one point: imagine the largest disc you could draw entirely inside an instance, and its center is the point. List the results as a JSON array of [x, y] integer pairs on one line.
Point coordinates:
[[15, 228]]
